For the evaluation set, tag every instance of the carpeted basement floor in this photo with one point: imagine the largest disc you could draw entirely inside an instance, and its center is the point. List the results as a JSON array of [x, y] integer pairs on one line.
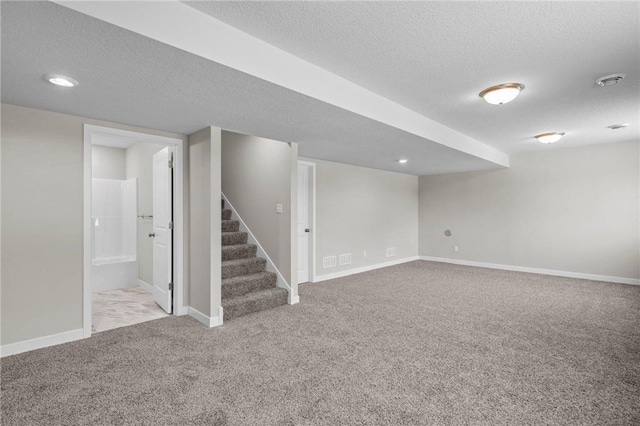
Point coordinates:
[[419, 343]]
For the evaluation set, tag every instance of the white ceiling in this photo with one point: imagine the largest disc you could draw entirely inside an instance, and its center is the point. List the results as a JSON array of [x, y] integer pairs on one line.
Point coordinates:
[[436, 56], [432, 57]]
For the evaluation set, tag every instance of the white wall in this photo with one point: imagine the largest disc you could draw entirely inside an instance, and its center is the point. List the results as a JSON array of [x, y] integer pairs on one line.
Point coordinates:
[[108, 162], [360, 209], [257, 175], [574, 210], [205, 270], [42, 221], [139, 164]]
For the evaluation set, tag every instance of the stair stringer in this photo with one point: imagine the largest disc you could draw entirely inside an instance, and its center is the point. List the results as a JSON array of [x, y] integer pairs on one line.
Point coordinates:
[[251, 239]]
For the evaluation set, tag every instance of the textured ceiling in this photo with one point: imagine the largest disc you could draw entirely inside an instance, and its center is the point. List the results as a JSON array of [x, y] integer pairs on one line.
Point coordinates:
[[435, 57], [131, 79]]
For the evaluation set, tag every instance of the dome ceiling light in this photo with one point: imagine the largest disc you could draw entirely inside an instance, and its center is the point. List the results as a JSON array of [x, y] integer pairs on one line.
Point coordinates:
[[60, 80], [502, 93], [549, 137]]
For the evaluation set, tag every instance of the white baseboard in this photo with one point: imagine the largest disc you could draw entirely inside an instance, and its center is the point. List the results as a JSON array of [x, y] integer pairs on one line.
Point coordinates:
[[553, 272], [41, 342], [208, 321], [145, 286], [340, 274], [293, 299]]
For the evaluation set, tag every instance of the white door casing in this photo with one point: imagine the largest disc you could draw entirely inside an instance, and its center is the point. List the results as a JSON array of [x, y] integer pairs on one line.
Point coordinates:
[[162, 229], [304, 223]]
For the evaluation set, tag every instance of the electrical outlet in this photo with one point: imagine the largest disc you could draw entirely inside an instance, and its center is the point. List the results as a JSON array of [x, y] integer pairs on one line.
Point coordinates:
[[364, 254], [391, 251], [279, 208], [456, 249]]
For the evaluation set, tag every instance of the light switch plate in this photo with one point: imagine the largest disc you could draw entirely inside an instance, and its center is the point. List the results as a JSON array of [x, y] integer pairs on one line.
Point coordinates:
[[279, 208]]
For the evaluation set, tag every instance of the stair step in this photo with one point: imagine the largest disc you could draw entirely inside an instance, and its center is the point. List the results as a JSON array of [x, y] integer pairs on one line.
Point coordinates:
[[238, 251], [254, 302], [237, 267], [238, 286], [226, 214], [234, 238], [230, 225]]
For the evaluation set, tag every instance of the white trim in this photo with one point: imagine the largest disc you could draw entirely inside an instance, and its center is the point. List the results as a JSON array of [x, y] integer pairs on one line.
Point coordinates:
[[553, 272], [271, 267], [179, 305], [208, 321], [312, 211], [178, 213], [145, 286], [348, 272], [87, 263], [42, 342]]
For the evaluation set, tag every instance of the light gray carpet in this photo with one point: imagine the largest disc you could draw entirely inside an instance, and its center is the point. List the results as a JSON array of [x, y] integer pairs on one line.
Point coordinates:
[[419, 343]]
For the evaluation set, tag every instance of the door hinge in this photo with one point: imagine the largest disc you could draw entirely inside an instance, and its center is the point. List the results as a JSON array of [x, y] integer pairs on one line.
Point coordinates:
[[171, 161], [171, 225], [170, 286]]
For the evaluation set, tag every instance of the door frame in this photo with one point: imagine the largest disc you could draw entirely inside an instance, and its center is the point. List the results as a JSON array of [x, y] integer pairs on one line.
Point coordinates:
[[312, 219], [90, 131]]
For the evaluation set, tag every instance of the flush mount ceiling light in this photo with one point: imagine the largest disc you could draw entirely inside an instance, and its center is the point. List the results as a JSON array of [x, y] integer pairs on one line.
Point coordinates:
[[549, 137], [502, 93], [610, 80], [60, 80], [402, 160], [618, 126]]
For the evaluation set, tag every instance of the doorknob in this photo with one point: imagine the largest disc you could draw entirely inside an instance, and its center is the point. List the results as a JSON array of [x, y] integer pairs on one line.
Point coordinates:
[[307, 230], [152, 234]]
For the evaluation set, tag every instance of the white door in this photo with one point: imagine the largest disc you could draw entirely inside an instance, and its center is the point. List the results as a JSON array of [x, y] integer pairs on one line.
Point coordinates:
[[304, 222], [162, 229]]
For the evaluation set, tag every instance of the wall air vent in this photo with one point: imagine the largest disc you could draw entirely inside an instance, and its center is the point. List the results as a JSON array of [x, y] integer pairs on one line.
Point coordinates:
[[344, 259], [328, 261], [610, 80]]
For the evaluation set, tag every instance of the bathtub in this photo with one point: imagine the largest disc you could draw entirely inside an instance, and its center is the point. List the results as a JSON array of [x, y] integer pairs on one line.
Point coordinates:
[[114, 210], [112, 273]]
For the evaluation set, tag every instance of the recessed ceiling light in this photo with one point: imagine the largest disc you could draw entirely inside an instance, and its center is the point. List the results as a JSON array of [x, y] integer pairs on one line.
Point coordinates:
[[502, 93], [610, 80], [60, 80], [402, 160], [549, 137], [618, 126]]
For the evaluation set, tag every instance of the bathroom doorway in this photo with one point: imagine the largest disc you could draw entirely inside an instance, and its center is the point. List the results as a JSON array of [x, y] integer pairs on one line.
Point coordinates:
[[133, 228]]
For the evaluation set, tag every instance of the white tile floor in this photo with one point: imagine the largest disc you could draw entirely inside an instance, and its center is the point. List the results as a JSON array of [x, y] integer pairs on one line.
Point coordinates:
[[119, 308]]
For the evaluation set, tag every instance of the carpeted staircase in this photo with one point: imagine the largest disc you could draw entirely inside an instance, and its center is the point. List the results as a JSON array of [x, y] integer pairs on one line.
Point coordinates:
[[246, 285]]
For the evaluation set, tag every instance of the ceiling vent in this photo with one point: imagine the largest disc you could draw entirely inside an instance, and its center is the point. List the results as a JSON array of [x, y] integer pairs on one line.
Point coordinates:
[[618, 126], [610, 80]]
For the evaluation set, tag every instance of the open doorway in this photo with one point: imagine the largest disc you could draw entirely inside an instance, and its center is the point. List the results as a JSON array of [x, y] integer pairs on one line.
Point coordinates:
[[133, 222]]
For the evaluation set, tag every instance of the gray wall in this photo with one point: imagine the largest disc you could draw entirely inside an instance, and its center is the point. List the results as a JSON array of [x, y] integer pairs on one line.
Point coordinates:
[[139, 164], [205, 245], [108, 162], [360, 209], [574, 210], [42, 221], [257, 175]]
